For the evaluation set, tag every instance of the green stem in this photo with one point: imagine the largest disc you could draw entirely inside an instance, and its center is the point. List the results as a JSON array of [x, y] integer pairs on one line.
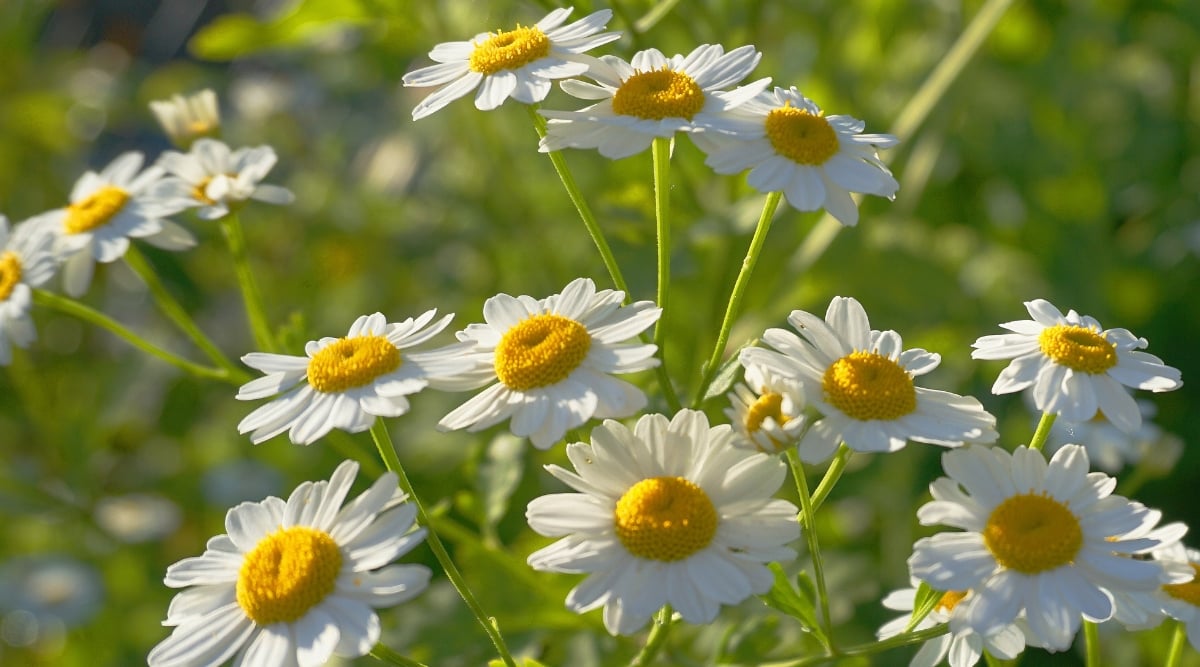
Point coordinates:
[[905, 639], [231, 228], [1043, 431], [661, 151], [734, 307], [808, 520], [384, 653], [658, 637], [387, 451], [71, 307], [1178, 641], [175, 312], [1091, 639], [832, 474]]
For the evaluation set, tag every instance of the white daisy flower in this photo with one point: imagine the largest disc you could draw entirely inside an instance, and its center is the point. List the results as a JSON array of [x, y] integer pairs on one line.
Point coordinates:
[[518, 63], [861, 380], [651, 96], [1046, 540], [790, 146], [1075, 366], [1182, 600], [218, 180], [186, 119], [1109, 448], [1141, 610], [550, 361], [768, 410], [668, 513], [106, 210], [962, 645], [347, 382], [295, 582], [26, 261]]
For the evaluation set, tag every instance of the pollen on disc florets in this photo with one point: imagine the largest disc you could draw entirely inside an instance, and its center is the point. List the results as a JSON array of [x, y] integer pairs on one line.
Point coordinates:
[[801, 136], [10, 273], [512, 49], [658, 94], [95, 210], [352, 362], [868, 386], [540, 351], [1078, 348], [1032, 533], [1188, 591], [287, 573], [665, 519]]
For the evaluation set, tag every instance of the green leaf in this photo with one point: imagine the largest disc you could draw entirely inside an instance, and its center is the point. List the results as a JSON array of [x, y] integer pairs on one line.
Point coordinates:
[[924, 602], [234, 35], [499, 474], [795, 601], [730, 371]]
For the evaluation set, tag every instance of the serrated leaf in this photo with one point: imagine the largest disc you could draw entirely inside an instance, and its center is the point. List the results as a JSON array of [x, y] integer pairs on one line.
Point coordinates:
[[795, 601]]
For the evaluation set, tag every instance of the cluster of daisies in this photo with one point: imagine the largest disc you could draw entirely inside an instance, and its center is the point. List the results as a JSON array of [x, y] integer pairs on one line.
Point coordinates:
[[129, 200]]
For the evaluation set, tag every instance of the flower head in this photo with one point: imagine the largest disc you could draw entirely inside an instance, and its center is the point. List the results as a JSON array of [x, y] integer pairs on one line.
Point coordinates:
[[790, 146], [106, 210], [1045, 539], [549, 362], [186, 119], [651, 96], [668, 513], [962, 645], [347, 382], [292, 583], [1110, 449], [1075, 366], [768, 409], [861, 381], [216, 179], [518, 63], [26, 260]]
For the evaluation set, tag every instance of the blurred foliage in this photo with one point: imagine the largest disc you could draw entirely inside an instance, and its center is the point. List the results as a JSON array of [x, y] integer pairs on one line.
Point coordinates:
[[1065, 164]]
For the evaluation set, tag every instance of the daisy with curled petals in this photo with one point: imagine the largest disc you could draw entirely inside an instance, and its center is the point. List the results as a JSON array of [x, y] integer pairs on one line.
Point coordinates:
[[671, 512], [347, 382], [651, 96], [790, 146], [1075, 366], [549, 362], [768, 409], [518, 63], [26, 261], [106, 210], [216, 179], [295, 582], [1047, 540], [861, 381], [962, 645]]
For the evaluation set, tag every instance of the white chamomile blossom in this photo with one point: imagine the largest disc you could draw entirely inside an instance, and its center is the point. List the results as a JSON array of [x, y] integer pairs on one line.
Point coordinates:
[[106, 210], [668, 513], [549, 362], [1144, 609], [768, 409], [347, 382], [186, 119], [26, 261], [962, 646], [1075, 366], [518, 63], [1109, 448], [295, 582], [861, 381], [790, 146], [651, 96], [217, 180], [1047, 540], [1181, 601]]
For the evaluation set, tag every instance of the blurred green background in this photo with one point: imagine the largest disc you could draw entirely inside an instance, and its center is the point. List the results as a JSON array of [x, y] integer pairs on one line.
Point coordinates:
[[1064, 164]]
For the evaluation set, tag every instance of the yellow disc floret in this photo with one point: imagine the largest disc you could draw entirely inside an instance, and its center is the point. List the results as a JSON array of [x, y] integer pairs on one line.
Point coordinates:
[[1188, 591], [510, 50], [658, 94], [801, 136], [1032, 533], [10, 273], [949, 601], [540, 351], [95, 210], [665, 518], [868, 385], [769, 405], [352, 362], [287, 573], [1078, 348]]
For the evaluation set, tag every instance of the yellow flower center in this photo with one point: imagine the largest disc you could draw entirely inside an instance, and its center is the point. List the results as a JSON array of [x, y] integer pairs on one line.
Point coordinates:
[[352, 362], [510, 50], [200, 192], [1189, 592], [1078, 348], [95, 210], [1032, 533], [801, 136], [287, 573], [10, 273], [659, 94], [769, 405], [540, 351], [868, 385], [665, 518], [949, 601]]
